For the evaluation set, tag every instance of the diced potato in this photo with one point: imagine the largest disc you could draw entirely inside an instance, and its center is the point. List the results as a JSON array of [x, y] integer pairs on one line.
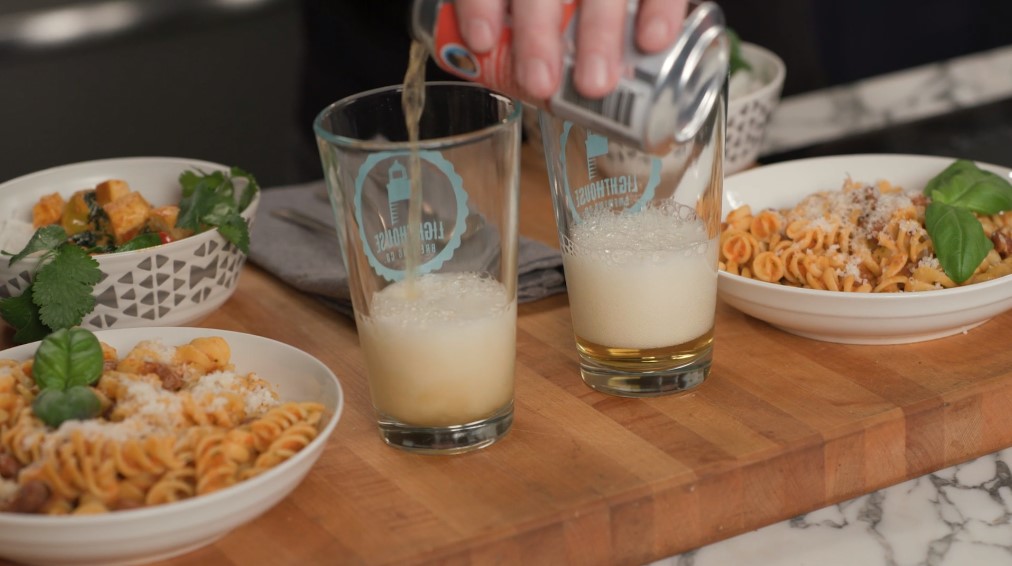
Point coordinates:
[[163, 218], [108, 191], [127, 215], [47, 211]]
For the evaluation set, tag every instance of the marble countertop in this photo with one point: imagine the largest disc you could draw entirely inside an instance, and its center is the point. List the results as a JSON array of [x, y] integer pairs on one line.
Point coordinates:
[[956, 516], [961, 515], [887, 101]]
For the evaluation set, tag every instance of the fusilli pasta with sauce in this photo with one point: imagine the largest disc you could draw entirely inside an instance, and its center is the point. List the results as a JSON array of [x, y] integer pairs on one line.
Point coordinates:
[[177, 422], [862, 238]]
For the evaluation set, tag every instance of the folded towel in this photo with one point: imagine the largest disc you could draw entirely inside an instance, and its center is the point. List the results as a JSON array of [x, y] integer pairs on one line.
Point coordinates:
[[311, 261]]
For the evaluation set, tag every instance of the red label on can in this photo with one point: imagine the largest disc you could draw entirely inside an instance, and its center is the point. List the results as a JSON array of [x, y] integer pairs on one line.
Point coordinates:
[[493, 69]]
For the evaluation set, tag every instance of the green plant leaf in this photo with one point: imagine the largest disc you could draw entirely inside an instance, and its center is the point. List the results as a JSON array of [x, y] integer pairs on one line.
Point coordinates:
[[141, 241], [737, 61], [209, 201], [958, 238], [23, 314], [54, 406], [236, 230], [965, 185], [68, 357], [63, 287], [251, 189], [47, 238]]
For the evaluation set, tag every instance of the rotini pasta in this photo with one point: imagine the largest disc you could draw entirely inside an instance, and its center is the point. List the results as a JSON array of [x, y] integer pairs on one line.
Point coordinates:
[[862, 238], [177, 422]]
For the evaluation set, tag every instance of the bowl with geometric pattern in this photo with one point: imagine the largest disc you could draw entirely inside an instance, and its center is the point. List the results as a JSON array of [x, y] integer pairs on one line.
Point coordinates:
[[173, 284], [754, 94]]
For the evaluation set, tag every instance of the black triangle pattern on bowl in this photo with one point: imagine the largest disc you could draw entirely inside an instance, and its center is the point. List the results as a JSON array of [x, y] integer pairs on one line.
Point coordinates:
[[156, 285], [160, 284], [14, 286]]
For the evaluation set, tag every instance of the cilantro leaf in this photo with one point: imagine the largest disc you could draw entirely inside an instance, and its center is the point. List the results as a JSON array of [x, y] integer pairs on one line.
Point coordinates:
[[251, 190], [47, 238], [235, 230], [23, 314], [209, 200], [738, 61], [140, 241], [63, 287]]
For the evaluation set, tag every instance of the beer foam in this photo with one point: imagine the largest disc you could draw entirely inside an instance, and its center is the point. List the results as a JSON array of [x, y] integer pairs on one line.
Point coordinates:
[[441, 297], [611, 237]]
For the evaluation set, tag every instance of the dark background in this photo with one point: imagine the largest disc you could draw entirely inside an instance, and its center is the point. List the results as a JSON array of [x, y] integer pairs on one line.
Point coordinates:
[[238, 82]]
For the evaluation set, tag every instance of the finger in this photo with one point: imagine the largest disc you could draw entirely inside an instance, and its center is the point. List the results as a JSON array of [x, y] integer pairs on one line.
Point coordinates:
[[480, 22], [658, 23], [599, 45], [537, 46]]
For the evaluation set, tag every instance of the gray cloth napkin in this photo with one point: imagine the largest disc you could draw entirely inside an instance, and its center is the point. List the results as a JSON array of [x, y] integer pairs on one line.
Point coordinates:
[[311, 261]]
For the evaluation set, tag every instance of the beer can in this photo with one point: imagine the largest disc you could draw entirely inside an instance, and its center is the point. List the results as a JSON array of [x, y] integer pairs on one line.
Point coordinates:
[[660, 98]]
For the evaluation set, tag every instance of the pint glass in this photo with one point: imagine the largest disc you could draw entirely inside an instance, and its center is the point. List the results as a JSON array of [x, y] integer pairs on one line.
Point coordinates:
[[434, 300], [639, 234]]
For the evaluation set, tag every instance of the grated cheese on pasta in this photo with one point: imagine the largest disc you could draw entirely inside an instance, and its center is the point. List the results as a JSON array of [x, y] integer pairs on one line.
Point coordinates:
[[862, 238], [177, 422]]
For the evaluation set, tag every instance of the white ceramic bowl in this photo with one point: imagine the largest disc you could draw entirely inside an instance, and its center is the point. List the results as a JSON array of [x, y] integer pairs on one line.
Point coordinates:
[[158, 532], [748, 114], [169, 285], [854, 318]]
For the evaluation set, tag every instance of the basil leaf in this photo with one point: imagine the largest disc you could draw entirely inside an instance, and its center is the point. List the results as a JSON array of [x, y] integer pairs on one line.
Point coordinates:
[[46, 238], [141, 241], [965, 185], [54, 406], [958, 238], [68, 357]]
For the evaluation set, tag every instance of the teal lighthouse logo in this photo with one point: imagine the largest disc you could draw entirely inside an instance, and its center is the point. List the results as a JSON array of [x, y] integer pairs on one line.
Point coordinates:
[[398, 192], [611, 188], [382, 199]]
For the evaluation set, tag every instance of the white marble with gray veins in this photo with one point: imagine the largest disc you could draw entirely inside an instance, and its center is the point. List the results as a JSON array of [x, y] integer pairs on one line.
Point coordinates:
[[921, 92], [957, 516]]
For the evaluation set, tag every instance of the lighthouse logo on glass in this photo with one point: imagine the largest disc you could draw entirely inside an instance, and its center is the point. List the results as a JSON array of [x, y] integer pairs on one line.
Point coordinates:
[[601, 188], [382, 199]]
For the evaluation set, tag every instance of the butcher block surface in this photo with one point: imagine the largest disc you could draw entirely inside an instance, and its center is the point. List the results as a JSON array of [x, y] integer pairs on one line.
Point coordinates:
[[783, 425]]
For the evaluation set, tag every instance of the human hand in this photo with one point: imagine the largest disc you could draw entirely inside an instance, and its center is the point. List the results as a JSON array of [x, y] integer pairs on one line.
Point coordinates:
[[537, 39]]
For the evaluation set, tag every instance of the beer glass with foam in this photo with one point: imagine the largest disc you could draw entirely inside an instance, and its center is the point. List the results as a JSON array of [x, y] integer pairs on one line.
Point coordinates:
[[432, 264], [639, 234]]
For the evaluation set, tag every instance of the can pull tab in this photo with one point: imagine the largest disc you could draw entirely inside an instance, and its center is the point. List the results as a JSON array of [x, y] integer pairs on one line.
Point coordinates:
[[695, 74]]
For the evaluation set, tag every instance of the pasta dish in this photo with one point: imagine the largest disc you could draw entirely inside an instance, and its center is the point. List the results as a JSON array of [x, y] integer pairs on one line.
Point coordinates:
[[862, 238], [176, 422]]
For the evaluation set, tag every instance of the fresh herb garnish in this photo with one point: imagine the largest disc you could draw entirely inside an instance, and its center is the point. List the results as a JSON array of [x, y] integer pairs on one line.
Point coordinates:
[[141, 241], [209, 201], [958, 237], [66, 363], [737, 61], [60, 294]]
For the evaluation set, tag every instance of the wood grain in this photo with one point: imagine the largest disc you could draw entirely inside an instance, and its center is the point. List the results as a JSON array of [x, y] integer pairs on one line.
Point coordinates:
[[784, 425]]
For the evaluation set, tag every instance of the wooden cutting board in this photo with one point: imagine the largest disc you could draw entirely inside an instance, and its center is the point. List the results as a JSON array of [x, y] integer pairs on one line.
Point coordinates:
[[783, 426]]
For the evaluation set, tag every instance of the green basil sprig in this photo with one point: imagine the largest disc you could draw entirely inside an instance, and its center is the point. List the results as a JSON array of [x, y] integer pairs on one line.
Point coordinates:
[[956, 193], [66, 363]]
